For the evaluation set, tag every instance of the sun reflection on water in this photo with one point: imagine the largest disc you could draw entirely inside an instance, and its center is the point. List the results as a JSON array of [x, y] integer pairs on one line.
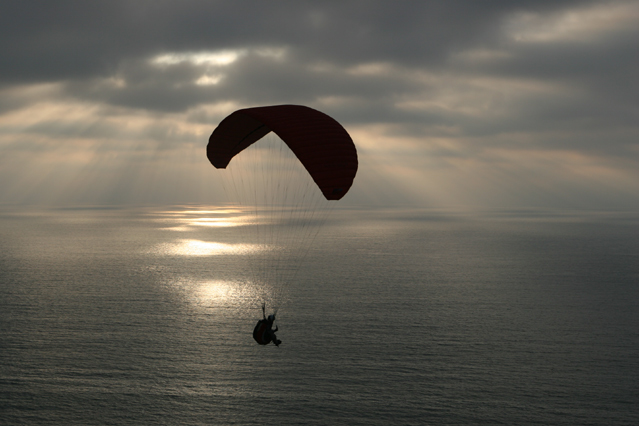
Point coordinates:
[[215, 291], [205, 294], [217, 221], [190, 247], [201, 234], [185, 220]]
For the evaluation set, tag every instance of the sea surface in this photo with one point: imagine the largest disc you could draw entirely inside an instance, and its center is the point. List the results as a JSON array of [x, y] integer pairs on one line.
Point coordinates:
[[143, 316]]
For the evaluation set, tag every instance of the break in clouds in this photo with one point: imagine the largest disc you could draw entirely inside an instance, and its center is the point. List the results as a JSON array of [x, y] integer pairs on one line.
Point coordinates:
[[451, 103]]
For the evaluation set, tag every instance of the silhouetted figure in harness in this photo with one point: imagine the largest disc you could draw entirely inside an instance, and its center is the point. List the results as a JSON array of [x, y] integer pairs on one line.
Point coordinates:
[[263, 332]]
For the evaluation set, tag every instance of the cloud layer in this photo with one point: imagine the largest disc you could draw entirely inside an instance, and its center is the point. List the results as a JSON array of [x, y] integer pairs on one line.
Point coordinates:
[[489, 104]]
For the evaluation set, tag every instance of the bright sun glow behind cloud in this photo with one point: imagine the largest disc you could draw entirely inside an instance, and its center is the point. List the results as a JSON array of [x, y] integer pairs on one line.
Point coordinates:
[[214, 61], [219, 58]]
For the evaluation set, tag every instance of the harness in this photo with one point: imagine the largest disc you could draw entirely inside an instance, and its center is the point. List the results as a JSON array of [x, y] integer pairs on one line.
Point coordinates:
[[261, 332]]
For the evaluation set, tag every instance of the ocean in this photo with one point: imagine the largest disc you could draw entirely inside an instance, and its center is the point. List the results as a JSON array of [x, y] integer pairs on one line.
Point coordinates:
[[139, 316]]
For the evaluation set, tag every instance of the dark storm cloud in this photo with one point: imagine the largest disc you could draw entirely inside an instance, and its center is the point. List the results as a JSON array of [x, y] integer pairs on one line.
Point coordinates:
[[83, 44], [608, 68], [62, 40], [44, 41]]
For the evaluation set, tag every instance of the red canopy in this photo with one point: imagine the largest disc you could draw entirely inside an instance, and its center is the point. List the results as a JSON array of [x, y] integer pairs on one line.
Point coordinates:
[[320, 143]]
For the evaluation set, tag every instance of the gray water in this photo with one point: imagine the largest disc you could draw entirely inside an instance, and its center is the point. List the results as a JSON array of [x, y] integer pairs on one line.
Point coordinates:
[[397, 317]]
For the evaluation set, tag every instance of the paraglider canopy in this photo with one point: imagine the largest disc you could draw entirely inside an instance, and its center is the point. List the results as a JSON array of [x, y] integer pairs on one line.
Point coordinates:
[[320, 143]]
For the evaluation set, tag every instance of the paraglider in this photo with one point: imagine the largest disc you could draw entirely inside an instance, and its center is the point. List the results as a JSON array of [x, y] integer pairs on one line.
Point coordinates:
[[263, 332], [303, 161]]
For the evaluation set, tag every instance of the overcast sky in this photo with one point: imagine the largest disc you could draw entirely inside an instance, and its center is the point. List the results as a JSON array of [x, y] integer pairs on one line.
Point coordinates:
[[483, 104]]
